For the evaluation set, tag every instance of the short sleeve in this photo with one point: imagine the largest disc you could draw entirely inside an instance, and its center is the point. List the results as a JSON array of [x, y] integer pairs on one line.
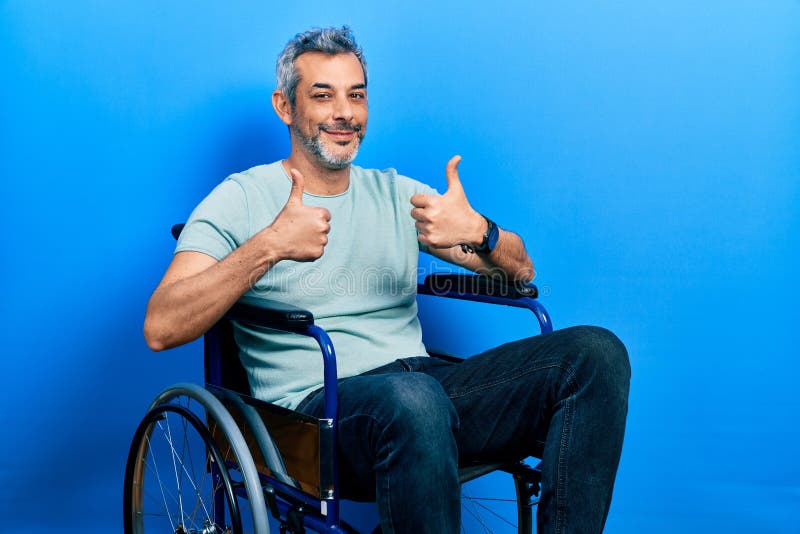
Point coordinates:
[[219, 224]]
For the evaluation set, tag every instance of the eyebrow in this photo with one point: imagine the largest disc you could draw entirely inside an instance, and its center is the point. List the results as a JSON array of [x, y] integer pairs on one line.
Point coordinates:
[[320, 85]]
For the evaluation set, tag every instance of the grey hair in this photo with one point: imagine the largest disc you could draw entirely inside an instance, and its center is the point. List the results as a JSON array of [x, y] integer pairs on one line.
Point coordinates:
[[330, 41]]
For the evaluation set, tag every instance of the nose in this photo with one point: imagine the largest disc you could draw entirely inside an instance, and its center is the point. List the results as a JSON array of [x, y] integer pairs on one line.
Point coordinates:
[[342, 109]]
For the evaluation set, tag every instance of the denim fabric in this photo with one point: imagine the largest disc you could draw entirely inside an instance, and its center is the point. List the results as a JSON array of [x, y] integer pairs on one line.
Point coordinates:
[[405, 427]]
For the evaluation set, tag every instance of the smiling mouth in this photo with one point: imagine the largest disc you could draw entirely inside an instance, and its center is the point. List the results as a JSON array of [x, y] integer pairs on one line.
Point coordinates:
[[341, 134], [341, 138], [340, 129]]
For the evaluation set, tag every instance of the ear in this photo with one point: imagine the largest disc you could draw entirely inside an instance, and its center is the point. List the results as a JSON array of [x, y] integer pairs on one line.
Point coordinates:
[[282, 107]]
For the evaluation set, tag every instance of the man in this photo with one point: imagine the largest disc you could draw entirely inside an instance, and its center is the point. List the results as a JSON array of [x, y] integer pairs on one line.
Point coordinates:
[[313, 230]]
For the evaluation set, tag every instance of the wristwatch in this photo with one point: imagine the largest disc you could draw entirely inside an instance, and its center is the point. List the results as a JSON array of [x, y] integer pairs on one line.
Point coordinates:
[[489, 239]]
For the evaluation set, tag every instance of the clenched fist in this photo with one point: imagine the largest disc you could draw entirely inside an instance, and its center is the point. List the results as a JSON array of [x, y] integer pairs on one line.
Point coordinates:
[[301, 231], [448, 220]]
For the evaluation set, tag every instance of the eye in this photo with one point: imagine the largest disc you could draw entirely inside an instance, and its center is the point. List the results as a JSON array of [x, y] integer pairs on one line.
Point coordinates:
[[321, 96], [358, 96]]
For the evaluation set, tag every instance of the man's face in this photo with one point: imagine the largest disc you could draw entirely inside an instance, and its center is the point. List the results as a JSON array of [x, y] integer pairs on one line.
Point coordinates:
[[329, 117]]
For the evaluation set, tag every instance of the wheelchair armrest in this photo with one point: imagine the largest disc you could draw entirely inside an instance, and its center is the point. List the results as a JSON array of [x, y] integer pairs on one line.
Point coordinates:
[[177, 229], [482, 288], [270, 314], [467, 284]]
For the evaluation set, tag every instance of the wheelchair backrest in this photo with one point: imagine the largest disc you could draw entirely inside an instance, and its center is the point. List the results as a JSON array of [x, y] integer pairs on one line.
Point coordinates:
[[223, 367]]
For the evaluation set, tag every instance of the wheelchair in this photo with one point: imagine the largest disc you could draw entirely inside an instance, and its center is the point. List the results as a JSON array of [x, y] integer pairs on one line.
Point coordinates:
[[215, 460]]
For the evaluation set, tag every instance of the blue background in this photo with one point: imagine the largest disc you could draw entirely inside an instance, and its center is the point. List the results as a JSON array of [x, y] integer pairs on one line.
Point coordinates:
[[648, 152]]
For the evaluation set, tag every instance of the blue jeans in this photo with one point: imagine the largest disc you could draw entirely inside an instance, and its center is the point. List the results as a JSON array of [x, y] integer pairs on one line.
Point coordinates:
[[404, 428]]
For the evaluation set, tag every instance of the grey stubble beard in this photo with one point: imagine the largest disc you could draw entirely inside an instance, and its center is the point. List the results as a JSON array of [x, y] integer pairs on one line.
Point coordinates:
[[318, 150]]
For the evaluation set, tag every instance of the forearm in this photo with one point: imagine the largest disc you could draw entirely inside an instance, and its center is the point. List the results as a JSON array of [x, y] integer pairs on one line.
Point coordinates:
[[509, 259], [183, 309]]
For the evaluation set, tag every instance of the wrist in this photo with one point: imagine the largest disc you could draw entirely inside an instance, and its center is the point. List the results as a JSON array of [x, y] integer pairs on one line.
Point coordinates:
[[479, 228], [271, 247], [489, 238]]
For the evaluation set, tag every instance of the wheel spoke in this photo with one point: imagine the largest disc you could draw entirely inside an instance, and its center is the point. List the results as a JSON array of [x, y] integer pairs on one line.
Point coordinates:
[[177, 459], [478, 504], [472, 510], [478, 518], [488, 499], [164, 492], [486, 511], [168, 437], [158, 478], [199, 503], [152, 515]]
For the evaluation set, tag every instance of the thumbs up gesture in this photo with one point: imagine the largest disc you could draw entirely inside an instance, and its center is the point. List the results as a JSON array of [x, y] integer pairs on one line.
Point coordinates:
[[447, 220], [301, 230]]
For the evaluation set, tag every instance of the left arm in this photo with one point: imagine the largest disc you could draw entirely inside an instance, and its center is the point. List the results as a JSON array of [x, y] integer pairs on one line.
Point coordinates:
[[509, 258], [445, 222]]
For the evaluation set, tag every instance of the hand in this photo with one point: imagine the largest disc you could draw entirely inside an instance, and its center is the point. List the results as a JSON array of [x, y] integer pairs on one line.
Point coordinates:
[[301, 232], [448, 220]]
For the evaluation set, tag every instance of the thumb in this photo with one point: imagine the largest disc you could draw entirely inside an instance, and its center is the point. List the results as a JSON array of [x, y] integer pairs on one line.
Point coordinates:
[[298, 183], [451, 172]]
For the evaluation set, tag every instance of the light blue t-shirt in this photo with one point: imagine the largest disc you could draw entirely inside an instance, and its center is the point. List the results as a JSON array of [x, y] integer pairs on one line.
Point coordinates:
[[362, 290]]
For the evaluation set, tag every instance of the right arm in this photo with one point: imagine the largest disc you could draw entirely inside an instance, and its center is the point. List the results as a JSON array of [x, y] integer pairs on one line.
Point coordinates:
[[197, 290]]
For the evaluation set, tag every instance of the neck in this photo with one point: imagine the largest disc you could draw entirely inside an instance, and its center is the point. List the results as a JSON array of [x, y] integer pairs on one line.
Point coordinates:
[[319, 180]]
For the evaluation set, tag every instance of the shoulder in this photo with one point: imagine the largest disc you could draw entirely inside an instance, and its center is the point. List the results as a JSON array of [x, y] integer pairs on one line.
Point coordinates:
[[241, 188], [263, 188], [260, 177]]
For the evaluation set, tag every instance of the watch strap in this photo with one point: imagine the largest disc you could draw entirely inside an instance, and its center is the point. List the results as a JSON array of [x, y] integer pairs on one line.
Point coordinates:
[[489, 238]]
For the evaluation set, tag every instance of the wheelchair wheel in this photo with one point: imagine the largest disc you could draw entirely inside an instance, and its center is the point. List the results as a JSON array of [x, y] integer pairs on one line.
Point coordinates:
[[492, 504], [189, 470]]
